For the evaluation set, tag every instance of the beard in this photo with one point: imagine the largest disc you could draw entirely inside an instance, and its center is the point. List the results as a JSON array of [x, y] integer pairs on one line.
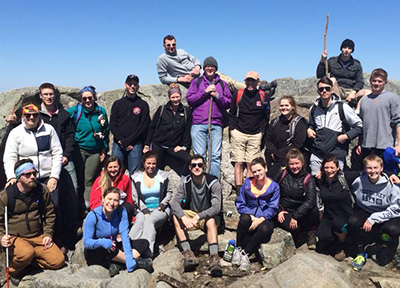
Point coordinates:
[[32, 184]]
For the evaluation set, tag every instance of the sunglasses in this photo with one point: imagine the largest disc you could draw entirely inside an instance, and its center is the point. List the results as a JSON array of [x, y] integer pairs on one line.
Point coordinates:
[[28, 116], [84, 99], [322, 89], [171, 45], [193, 165], [29, 174]]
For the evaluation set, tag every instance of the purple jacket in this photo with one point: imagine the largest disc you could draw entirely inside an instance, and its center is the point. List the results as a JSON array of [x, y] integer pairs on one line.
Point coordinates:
[[199, 101], [265, 205]]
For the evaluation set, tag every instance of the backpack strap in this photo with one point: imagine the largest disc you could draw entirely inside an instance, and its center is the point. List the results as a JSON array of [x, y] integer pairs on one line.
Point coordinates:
[[305, 182], [274, 122], [311, 121], [345, 186], [78, 113], [10, 202], [292, 128], [221, 83], [283, 175], [345, 125], [159, 118]]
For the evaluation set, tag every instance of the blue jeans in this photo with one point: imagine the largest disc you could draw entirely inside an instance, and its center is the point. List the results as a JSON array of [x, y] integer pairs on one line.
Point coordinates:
[[133, 158], [200, 142]]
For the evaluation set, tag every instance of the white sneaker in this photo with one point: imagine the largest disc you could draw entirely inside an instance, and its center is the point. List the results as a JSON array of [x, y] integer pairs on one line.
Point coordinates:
[[236, 256], [244, 262]]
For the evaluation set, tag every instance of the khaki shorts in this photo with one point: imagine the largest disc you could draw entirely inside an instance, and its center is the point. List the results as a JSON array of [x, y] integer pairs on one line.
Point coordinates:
[[244, 147], [202, 222], [344, 92]]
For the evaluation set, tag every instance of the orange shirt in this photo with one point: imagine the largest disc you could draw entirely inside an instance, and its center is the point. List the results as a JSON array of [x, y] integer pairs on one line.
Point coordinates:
[[257, 192]]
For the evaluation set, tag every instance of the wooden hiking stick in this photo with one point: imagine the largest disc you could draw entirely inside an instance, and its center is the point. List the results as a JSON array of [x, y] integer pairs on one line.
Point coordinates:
[[7, 260], [171, 281], [209, 132], [326, 31]]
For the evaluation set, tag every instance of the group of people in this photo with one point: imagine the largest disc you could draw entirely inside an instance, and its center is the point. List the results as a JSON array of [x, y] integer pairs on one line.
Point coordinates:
[[59, 167]]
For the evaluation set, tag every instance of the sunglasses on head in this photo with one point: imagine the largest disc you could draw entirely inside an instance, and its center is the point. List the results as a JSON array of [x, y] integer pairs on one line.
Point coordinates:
[[193, 165], [29, 174], [171, 45], [28, 116], [90, 98], [327, 88]]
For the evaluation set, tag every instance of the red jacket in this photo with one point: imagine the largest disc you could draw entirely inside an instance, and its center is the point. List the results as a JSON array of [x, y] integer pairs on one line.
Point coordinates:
[[122, 182]]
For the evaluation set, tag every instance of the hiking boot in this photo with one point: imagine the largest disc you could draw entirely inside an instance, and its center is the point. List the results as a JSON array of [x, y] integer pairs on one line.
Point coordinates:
[[215, 266], [340, 256], [236, 256], [312, 240], [190, 261], [387, 251], [114, 269], [244, 262], [15, 280], [359, 262], [145, 263]]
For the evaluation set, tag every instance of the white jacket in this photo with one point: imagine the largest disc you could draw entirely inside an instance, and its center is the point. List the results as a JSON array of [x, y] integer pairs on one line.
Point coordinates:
[[42, 146]]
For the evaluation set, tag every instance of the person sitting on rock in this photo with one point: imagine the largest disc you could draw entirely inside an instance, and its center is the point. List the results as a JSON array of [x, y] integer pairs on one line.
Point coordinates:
[[100, 241], [208, 97], [152, 193], [257, 204], [169, 133], [346, 72], [337, 201], [248, 122], [289, 130], [376, 214], [129, 122], [197, 205], [31, 219], [298, 211], [113, 176]]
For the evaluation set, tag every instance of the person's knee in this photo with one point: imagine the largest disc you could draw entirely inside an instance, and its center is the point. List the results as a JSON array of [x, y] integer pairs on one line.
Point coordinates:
[[23, 253], [392, 230]]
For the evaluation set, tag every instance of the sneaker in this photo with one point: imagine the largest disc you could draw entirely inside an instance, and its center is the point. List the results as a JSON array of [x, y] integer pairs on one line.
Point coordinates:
[[236, 256], [215, 266], [114, 269], [145, 263], [312, 240], [15, 280], [359, 262], [340, 256], [190, 261], [244, 262]]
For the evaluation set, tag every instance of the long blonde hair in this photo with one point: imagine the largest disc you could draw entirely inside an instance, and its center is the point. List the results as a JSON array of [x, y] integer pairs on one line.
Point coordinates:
[[105, 181]]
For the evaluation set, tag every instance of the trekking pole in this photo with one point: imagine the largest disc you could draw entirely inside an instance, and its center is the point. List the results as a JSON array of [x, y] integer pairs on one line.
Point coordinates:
[[326, 31], [7, 261], [209, 132]]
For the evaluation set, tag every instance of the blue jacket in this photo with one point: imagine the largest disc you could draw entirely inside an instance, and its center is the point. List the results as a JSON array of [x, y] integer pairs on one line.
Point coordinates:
[[98, 232], [266, 205]]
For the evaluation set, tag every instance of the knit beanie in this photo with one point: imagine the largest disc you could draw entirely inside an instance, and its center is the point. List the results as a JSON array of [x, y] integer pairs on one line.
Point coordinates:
[[348, 43], [210, 61]]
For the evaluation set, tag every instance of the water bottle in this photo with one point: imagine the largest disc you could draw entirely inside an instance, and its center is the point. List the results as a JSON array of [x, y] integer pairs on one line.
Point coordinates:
[[229, 249]]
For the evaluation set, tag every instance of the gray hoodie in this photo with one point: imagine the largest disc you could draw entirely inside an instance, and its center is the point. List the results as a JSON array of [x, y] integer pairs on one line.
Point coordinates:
[[381, 199]]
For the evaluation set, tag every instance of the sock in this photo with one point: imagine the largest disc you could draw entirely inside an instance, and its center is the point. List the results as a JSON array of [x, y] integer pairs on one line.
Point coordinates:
[[213, 248], [185, 245]]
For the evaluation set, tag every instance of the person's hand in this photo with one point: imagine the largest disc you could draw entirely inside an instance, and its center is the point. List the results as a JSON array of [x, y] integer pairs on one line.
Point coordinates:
[[342, 138], [47, 242], [195, 71], [367, 226], [146, 215], [273, 156], [293, 224], [102, 157], [311, 133], [52, 184], [211, 88], [397, 150], [113, 247], [318, 175], [10, 182], [178, 148], [129, 148], [281, 216], [145, 149], [64, 161], [394, 179], [324, 55], [5, 241], [255, 223], [188, 222], [358, 150], [351, 96], [12, 118], [187, 78]]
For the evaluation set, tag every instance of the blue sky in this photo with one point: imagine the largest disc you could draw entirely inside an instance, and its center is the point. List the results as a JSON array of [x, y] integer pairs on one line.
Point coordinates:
[[77, 43]]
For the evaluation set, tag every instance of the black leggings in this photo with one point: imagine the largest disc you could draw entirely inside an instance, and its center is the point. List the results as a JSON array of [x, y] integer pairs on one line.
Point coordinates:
[[178, 161], [103, 256], [356, 222], [250, 241], [306, 223], [328, 226]]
